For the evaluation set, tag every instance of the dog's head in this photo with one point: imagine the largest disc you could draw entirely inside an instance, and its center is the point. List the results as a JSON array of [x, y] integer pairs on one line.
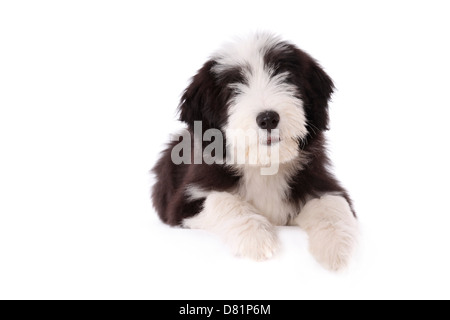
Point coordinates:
[[262, 85]]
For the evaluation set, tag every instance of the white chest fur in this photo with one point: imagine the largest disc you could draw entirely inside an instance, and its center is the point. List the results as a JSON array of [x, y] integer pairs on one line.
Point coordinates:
[[268, 194]]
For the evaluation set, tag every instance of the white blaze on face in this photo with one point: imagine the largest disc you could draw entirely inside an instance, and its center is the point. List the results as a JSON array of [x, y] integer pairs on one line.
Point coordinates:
[[263, 91]]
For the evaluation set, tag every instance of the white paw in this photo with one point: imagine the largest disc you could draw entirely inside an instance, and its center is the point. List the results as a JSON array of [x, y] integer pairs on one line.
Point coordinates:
[[332, 230], [256, 240], [332, 244]]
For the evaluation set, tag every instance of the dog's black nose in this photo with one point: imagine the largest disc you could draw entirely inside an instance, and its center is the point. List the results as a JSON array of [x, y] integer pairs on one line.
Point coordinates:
[[268, 120]]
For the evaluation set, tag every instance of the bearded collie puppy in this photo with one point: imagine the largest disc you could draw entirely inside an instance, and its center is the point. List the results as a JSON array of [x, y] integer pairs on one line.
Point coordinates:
[[253, 154]]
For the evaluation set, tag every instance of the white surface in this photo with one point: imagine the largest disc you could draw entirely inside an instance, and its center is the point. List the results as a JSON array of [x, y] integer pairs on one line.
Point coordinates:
[[88, 91]]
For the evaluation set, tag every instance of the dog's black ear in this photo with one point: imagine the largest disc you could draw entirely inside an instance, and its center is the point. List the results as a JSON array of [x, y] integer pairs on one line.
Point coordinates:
[[320, 87], [207, 97], [198, 97]]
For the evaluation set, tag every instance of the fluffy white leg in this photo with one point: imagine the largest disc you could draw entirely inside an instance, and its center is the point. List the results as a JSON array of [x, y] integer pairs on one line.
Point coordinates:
[[249, 233], [332, 230]]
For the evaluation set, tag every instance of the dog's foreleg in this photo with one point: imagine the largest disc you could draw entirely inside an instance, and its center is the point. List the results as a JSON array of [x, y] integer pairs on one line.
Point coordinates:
[[332, 230], [248, 233]]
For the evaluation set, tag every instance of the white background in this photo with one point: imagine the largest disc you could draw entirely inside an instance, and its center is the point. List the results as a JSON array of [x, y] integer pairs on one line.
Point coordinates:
[[88, 92]]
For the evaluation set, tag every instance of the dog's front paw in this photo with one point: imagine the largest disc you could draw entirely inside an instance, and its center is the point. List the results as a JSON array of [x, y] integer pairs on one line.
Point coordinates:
[[332, 230], [257, 240], [332, 245]]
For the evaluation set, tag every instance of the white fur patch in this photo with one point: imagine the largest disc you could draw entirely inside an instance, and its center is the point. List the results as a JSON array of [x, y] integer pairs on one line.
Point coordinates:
[[332, 230], [194, 192], [248, 233], [268, 193], [245, 50]]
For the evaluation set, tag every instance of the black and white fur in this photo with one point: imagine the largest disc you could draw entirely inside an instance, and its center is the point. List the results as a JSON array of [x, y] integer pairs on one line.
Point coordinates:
[[242, 80]]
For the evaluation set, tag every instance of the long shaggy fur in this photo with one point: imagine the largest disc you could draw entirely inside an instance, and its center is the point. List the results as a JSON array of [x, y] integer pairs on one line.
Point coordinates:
[[253, 75]]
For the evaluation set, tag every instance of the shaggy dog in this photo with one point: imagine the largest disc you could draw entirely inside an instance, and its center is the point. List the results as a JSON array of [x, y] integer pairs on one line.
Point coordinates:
[[265, 102]]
